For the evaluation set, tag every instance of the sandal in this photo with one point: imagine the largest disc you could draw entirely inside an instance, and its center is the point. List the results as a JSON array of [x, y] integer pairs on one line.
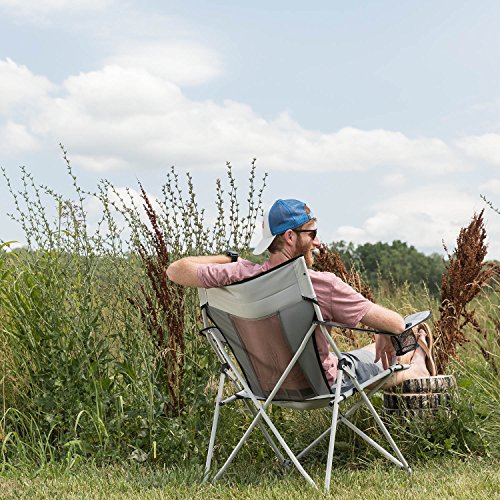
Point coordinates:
[[426, 342]]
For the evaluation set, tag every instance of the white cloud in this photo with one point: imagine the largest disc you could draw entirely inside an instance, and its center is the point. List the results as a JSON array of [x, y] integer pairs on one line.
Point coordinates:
[[119, 116], [423, 217], [484, 147], [20, 88], [393, 180], [115, 93], [182, 63], [131, 113], [15, 138]]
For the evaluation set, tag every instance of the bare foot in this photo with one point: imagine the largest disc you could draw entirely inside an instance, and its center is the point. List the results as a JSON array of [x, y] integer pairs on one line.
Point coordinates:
[[425, 340], [417, 362]]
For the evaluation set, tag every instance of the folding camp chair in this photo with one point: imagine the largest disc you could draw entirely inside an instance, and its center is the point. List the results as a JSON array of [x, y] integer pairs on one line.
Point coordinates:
[[262, 331]]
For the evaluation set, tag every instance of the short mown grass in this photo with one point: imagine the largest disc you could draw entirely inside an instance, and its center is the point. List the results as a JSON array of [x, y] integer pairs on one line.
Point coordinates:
[[443, 478]]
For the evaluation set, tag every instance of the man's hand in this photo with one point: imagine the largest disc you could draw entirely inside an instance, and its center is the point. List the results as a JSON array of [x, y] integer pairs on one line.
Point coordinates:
[[380, 318], [384, 350]]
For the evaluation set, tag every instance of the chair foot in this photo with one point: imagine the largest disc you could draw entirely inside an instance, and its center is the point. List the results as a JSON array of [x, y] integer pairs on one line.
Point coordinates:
[[286, 463]]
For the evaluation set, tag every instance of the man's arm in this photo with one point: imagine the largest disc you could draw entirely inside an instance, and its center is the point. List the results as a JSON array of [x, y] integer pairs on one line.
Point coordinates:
[[380, 318], [185, 271]]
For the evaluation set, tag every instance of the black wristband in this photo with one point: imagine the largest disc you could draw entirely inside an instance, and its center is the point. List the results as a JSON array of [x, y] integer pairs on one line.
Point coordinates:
[[233, 255]]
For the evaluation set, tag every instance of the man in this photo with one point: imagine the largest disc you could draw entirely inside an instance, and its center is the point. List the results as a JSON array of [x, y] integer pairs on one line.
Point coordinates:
[[289, 230]]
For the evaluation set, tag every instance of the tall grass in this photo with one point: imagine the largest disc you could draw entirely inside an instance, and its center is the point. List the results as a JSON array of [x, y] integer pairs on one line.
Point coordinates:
[[82, 375], [72, 343]]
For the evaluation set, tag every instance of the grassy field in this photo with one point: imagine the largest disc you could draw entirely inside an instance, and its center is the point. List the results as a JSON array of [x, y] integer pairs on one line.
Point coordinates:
[[443, 478]]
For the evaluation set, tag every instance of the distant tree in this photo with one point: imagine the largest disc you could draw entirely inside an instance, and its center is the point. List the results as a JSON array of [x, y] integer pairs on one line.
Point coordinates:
[[394, 263]]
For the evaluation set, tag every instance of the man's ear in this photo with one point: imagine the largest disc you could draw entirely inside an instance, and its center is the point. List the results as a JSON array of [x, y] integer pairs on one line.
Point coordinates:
[[288, 236]]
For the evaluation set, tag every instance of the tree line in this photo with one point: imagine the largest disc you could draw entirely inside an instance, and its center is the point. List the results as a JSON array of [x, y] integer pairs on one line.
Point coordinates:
[[392, 263]]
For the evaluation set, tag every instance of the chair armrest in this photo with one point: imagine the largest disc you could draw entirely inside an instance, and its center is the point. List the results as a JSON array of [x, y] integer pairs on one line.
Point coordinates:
[[410, 321], [403, 342], [346, 327]]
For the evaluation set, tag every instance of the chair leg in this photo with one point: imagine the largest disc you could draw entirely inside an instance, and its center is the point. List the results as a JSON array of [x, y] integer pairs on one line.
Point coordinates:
[[333, 430], [214, 427], [351, 410], [365, 398], [384, 430], [293, 458]]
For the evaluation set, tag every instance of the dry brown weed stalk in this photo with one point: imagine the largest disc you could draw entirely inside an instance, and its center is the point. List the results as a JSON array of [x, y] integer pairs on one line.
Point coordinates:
[[162, 311], [466, 275]]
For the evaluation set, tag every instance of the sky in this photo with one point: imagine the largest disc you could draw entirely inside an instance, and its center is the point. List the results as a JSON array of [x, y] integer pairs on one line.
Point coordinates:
[[383, 116]]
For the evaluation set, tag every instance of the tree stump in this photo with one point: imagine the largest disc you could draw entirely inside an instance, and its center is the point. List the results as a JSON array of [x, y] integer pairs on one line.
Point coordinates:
[[421, 396]]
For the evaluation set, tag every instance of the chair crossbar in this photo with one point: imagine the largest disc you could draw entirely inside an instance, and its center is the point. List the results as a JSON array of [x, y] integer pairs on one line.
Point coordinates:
[[370, 441], [353, 408]]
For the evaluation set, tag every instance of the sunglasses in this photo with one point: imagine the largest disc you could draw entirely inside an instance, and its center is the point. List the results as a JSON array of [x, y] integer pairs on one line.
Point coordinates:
[[313, 232]]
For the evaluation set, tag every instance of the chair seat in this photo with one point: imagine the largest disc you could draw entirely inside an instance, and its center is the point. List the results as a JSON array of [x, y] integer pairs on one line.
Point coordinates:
[[306, 404], [322, 400]]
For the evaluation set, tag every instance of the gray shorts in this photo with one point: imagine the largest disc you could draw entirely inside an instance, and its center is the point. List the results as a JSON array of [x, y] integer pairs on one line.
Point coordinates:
[[363, 363]]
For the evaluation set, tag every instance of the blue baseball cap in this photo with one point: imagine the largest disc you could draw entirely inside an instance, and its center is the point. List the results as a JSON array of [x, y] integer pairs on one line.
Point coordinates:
[[283, 215]]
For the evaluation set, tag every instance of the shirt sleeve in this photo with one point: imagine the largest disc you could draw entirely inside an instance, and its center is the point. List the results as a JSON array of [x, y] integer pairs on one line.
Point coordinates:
[[338, 301], [217, 275], [348, 305]]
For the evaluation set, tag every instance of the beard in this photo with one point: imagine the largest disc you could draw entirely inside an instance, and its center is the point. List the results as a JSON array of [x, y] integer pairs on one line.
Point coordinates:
[[305, 250]]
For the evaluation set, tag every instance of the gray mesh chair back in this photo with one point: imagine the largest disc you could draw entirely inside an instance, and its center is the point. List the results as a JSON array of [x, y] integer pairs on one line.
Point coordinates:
[[264, 321]]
